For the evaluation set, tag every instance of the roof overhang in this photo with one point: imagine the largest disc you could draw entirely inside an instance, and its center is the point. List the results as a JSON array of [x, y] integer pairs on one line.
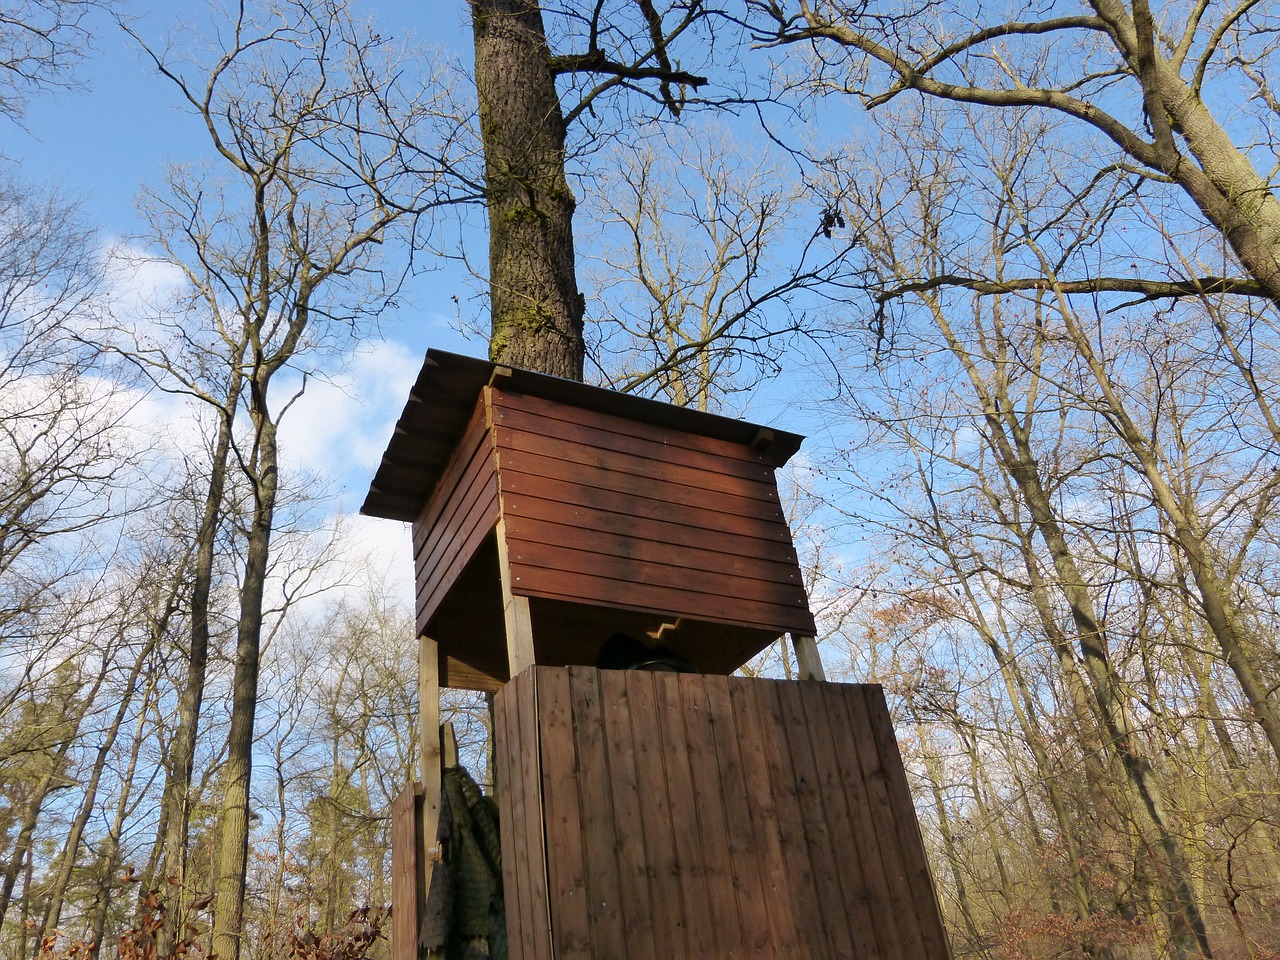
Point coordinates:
[[445, 394]]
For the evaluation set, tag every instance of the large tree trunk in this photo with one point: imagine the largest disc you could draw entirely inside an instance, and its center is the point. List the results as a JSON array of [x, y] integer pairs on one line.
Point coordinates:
[[536, 307]]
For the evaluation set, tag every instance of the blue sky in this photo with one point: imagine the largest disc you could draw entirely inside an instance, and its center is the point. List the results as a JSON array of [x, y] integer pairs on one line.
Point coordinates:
[[118, 130]]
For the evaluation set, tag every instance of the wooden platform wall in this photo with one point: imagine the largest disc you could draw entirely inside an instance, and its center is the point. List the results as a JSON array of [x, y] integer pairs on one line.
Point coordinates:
[[661, 815], [408, 888], [622, 514]]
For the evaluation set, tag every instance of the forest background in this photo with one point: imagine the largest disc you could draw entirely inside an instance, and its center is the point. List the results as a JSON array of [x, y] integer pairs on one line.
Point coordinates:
[[1013, 271]]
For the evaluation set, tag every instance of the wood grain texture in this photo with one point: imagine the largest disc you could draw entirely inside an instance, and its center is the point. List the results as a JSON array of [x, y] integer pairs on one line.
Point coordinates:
[[607, 511], [457, 518], [690, 816], [408, 888], [661, 442], [576, 506]]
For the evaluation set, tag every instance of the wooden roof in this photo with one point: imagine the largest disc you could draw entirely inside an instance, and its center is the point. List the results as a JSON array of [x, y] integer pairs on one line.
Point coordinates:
[[444, 396]]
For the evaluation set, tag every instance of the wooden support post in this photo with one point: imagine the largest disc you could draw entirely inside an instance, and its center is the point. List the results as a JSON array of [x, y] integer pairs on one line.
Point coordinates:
[[807, 658], [408, 896], [515, 610], [429, 753]]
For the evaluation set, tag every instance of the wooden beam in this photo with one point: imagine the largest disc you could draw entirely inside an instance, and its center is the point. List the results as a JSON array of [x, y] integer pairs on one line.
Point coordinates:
[[407, 894], [807, 658], [429, 754], [515, 612]]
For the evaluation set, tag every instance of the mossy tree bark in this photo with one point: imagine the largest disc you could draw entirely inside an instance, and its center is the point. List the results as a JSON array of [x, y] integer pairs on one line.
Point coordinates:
[[537, 310]]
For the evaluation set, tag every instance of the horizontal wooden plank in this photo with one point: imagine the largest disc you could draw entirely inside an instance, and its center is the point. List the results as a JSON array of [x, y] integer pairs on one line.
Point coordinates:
[[528, 539], [433, 585], [454, 539], [445, 394], [468, 456], [462, 676], [527, 558], [708, 530], [506, 402], [556, 479], [740, 609], [458, 517], [469, 624], [628, 438], [582, 461]]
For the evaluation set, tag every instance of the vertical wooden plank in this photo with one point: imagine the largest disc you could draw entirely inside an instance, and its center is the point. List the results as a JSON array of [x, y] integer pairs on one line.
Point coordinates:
[[521, 843], [907, 826], [883, 885], [808, 660], [708, 803], [792, 835], [753, 736], [405, 894], [699, 932], [429, 753], [628, 837], [532, 839], [826, 873], [566, 867], [872, 917], [515, 611], [662, 871], [753, 909], [861, 745], [510, 811], [605, 904]]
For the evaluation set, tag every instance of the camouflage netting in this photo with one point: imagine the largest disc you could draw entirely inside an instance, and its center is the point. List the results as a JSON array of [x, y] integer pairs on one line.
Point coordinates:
[[465, 918]]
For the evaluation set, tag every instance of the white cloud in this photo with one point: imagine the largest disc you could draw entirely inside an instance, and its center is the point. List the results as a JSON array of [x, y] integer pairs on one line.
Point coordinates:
[[340, 426], [388, 548]]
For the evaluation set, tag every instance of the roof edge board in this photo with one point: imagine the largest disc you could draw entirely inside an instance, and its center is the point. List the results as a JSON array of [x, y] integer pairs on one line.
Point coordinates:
[[451, 383]]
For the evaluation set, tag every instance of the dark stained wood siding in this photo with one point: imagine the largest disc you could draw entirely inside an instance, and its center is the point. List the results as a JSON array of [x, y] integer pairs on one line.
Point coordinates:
[[688, 816], [619, 513], [406, 872], [454, 523]]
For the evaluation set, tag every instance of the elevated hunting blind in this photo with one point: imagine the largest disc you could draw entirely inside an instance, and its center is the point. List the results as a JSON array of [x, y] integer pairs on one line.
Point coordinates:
[[643, 814]]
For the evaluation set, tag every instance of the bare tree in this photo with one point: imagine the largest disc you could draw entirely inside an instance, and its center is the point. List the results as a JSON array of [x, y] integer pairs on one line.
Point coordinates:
[[41, 42], [322, 130], [1007, 387], [1144, 90], [59, 439], [704, 258]]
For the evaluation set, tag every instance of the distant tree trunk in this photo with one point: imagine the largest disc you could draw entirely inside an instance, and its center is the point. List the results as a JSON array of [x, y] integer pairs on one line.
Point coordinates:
[[109, 847], [176, 799], [22, 847], [67, 861], [233, 855], [536, 308], [955, 859]]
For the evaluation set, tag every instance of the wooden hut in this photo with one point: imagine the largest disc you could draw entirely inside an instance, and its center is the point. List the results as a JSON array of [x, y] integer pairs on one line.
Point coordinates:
[[643, 814]]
